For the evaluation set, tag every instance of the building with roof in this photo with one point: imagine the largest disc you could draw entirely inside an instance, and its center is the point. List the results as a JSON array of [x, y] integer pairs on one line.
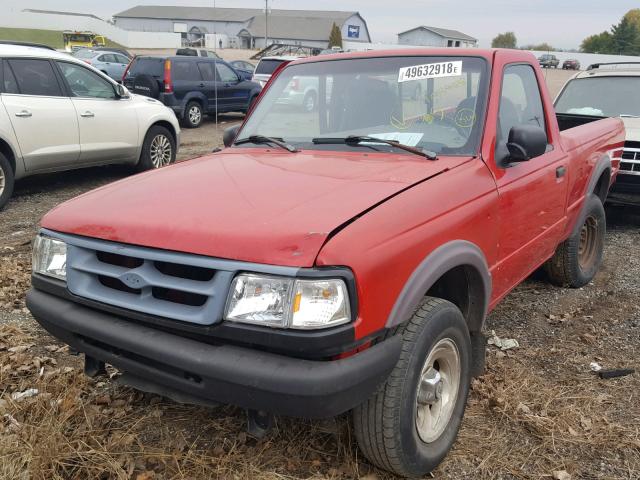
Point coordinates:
[[436, 37], [245, 27]]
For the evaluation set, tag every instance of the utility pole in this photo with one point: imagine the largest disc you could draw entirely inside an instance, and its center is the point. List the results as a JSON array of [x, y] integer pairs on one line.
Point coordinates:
[[266, 22]]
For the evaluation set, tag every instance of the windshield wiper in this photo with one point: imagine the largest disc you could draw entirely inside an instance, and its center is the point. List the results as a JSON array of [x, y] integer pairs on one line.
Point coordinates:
[[360, 139], [262, 139]]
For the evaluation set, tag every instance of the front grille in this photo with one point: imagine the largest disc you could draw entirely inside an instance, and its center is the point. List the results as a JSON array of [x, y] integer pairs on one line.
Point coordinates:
[[172, 285], [155, 282], [630, 163]]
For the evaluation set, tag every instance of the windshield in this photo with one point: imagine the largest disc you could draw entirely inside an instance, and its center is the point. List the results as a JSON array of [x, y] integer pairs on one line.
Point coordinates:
[[435, 103], [267, 67], [584, 96]]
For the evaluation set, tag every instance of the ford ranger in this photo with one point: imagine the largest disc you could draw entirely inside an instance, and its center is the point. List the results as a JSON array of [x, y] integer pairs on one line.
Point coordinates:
[[342, 258]]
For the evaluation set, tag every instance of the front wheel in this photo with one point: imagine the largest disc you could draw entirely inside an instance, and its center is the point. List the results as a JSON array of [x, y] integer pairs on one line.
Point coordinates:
[[577, 259], [192, 115], [158, 149], [411, 422], [6, 181]]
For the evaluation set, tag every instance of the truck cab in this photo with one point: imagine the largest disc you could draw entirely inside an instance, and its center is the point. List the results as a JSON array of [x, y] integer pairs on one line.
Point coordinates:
[[340, 258]]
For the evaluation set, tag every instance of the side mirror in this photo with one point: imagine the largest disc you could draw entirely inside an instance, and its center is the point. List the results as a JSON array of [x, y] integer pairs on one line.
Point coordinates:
[[230, 135], [526, 142], [121, 91]]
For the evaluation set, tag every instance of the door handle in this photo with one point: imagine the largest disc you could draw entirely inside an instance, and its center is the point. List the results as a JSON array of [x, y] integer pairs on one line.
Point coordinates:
[[560, 171], [201, 84], [87, 114], [24, 114]]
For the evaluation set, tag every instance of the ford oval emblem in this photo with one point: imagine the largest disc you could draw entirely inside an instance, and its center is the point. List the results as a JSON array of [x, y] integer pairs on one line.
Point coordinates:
[[133, 280]]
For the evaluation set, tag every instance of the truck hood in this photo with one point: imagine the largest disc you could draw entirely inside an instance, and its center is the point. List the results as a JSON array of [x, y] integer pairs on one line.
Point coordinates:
[[257, 205]]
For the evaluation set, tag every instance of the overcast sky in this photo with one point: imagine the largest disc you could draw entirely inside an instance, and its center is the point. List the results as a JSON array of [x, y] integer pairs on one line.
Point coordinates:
[[562, 23]]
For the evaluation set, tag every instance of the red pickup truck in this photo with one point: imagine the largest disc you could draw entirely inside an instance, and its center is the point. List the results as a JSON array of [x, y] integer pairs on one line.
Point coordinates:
[[342, 257]]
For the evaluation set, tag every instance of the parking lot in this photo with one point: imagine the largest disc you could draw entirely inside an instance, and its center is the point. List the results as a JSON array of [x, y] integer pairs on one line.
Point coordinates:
[[538, 409]]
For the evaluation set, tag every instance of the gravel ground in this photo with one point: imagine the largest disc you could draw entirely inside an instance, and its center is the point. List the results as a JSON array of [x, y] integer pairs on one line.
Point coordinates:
[[538, 410]]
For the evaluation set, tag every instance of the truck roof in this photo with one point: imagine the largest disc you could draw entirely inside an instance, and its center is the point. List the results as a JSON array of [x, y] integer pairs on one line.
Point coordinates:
[[486, 53]]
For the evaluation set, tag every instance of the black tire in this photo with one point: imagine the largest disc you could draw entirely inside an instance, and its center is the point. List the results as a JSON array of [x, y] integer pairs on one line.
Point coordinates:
[[192, 117], [146, 85], [310, 101], [385, 425], [157, 140], [7, 180], [578, 259]]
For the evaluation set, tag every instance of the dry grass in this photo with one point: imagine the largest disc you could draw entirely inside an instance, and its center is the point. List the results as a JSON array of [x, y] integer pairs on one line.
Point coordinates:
[[523, 421]]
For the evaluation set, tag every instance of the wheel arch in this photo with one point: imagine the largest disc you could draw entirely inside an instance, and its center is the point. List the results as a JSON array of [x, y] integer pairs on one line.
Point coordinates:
[[600, 179], [166, 124], [8, 152], [456, 271]]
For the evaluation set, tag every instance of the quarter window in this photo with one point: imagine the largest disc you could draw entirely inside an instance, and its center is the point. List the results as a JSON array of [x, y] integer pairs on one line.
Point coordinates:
[[35, 77], [520, 102], [185, 70], [85, 83]]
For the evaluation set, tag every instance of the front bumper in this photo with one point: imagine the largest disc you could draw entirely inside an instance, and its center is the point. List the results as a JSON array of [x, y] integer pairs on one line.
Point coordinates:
[[220, 372], [626, 189]]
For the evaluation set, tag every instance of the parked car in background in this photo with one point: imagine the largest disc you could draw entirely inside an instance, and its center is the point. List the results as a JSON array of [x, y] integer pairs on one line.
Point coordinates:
[[548, 61], [121, 51], [571, 64], [610, 90], [197, 52], [191, 86], [58, 113], [244, 68], [343, 259], [267, 65], [110, 63]]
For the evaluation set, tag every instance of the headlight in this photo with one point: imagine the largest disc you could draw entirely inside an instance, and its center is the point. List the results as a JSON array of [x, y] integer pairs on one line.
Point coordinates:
[[288, 302], [50, 257]]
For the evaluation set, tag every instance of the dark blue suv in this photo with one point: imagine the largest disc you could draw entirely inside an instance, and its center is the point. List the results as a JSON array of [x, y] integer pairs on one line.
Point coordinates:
[[191, 86]]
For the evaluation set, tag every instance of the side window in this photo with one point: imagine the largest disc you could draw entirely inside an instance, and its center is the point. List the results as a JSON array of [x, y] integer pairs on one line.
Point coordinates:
[[520, 103], [206, 69], [85, 83], [122, 59], [226, 74], [9, 84], [185, 70], [35, 77]]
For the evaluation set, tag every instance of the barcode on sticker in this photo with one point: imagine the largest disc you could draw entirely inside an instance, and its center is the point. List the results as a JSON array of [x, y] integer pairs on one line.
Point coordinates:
[[430, 70]]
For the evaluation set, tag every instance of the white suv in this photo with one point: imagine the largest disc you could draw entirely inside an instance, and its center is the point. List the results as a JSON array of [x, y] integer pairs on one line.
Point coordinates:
[[58, 113]]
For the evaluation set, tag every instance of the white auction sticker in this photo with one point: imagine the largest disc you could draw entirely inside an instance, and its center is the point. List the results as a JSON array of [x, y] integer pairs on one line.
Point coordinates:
[[430, 70]]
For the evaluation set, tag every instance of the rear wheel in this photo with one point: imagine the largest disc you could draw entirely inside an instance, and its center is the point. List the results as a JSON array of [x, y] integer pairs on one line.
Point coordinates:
[[192, 115], [410, 424], [577, 259], [309, 102], [158, 149], [6, 181]]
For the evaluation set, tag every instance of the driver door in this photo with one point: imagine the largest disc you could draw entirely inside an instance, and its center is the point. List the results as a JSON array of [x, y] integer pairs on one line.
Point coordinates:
[[108, 125]]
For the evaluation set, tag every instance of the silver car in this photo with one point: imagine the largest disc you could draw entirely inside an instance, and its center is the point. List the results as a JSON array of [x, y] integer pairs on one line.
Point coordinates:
[[112, 64]]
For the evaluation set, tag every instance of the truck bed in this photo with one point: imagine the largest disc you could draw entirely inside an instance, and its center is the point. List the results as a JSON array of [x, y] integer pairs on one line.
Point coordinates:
[[570, 120]]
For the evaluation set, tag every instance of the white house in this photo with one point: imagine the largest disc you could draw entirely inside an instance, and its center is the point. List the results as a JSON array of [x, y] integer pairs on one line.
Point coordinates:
[[436, 37]]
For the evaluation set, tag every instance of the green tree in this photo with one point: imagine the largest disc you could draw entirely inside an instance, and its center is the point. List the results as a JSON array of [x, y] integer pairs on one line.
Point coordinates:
[[540, 47], [335, 37], [600, 43], [625, 37], [504, 40]]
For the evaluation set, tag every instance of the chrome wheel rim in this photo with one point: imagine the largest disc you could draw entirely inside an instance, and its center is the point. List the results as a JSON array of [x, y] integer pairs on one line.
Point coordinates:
[[2, 181], [195, 115], [438, 390], [160, 151]]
